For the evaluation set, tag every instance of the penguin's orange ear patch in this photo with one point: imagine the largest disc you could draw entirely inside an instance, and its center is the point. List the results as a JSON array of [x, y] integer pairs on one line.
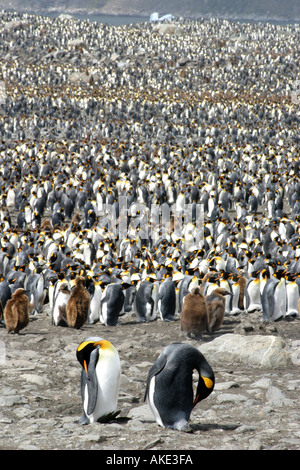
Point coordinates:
[[208, 382]]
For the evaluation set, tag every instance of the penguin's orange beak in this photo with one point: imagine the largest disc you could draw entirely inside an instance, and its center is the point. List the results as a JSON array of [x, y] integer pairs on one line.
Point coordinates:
[[85, 366]]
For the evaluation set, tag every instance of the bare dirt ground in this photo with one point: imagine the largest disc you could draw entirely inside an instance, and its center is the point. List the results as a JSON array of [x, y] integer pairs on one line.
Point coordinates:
[[40, 399]]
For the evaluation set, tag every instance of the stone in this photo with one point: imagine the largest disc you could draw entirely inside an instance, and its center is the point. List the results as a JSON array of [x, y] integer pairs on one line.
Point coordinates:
[[262, 351]]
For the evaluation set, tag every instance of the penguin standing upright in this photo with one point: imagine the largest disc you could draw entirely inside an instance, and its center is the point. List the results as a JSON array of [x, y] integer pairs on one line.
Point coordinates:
[[95, 304], [169, 388], [100, 379], [292, 296], [273, 299], [236, 295], [16, 311], [59, 313], [145, 302], [111, 304], [216, 302], [252, 293], [194, 318], [78, 305], [166, 298]]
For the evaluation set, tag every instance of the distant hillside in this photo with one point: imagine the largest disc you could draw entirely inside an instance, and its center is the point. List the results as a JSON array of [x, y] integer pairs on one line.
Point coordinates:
[[231, 9]]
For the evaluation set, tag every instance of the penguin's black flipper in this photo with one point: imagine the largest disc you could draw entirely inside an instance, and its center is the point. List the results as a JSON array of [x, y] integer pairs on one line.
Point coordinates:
[[91, 381], [155, 369]]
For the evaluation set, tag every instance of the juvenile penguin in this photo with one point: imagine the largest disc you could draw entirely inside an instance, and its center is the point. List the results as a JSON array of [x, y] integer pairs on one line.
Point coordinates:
[[215, 303], [59, 312], [78, 305], [100, 379], [111, 304], [16, 311], [169, 388], [194, 318]]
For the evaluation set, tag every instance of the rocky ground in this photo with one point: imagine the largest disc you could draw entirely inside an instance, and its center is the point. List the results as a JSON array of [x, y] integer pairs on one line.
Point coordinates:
[[251, 407]]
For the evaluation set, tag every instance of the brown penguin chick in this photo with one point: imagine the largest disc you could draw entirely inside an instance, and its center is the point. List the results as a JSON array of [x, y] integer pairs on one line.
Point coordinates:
[[215, 303], [16, 311], [242, 282], [78, 304], [194, 318]]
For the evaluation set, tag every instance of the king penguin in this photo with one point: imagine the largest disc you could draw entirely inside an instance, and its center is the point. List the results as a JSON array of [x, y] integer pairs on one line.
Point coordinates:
[[111, 304], [292, 296], [273, 299], [100, 379], [59, 315], [16, 311], [252, 299], [78, 305], [145, 301], [166, 298], [194, 318], [169, 388]]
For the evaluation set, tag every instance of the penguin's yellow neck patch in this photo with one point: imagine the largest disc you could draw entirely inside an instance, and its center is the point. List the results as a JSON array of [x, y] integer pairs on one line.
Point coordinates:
[[104, 344], [208, 382]]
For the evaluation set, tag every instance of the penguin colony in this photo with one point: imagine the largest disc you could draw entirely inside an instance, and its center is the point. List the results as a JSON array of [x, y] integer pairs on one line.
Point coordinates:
[[96, 118], [96, 113]]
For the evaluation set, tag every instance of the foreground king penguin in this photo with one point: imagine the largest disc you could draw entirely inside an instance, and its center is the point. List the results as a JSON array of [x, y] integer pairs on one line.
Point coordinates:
[[100, 379], [169, 389]]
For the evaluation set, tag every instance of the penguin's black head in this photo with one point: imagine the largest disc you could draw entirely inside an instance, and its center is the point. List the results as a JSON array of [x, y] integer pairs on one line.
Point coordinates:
[[85, 349]]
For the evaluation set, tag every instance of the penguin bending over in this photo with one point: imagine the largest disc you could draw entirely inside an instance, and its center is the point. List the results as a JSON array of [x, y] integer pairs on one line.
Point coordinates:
[[78, 305], [16, 311], [194, 318], [169, 388], [100, 379]]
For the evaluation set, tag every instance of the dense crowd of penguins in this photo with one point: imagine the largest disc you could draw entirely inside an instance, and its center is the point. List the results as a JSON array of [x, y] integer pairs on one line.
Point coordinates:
[[105, 129]]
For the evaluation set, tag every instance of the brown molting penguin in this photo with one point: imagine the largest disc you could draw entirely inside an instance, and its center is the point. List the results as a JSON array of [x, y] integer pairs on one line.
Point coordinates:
[[78, 305], [215, 303], [194, 318], [16, 312]]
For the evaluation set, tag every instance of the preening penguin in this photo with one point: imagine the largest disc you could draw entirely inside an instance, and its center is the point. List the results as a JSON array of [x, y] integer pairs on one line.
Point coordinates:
[[16, 311], [169, 389], [215, 303], [78, 305], [100, 379], [194, 318]]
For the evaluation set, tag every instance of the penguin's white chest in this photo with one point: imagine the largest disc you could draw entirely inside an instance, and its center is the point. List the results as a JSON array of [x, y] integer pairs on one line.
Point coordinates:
[[61, 302], [150, 400], [108, 371]]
